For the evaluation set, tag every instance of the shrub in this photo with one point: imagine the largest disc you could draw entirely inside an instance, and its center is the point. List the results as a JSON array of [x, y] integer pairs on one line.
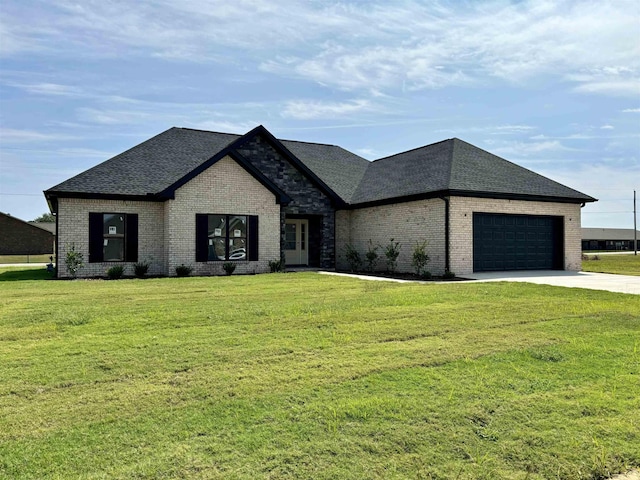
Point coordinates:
[[353, 257], [74, 260], [391, 251], [140, 269], [229, 267], [276, 266], [420, 258], [372, 256], [115, 272], [425, 275], [448, 275], [183, 270]]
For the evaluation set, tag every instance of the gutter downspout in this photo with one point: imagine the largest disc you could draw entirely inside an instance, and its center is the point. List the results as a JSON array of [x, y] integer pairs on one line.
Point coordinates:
[[446, 234]]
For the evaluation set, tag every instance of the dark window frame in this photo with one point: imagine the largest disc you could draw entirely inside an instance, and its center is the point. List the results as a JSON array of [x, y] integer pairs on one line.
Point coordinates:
[[97, 237], [202, 237]]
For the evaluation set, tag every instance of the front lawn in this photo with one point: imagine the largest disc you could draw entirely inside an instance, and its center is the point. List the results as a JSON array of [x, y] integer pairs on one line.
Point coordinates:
[[622, 264], [310, 376]]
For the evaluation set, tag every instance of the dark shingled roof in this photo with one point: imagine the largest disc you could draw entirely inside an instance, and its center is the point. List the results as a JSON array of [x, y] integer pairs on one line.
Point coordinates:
[[151, 166], [455, 166], [447, 167], [340, 169]]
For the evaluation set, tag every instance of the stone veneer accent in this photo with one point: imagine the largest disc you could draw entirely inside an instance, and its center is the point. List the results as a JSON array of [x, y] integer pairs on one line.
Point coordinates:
[[73, 228], [408, 223], [224, 188], [306, 197], [461, 227]]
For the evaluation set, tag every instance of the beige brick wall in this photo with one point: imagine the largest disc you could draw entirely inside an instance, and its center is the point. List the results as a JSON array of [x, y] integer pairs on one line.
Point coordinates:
[[461, 227], [73, 228], [224, 188], [408, 223]]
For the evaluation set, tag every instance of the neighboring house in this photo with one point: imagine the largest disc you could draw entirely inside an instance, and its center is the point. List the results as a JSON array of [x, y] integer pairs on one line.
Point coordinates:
[[18, 237], [609, 239], [201, 198], [49, 226]]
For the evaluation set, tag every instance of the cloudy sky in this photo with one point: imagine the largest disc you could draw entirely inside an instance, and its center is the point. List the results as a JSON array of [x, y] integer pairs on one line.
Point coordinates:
[[551, 85]]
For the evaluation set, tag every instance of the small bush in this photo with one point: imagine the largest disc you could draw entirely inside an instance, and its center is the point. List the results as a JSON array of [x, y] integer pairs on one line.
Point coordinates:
[[276, 266], [115, 272], [392, 251], [420, 258], [372, 256], [448, 275], [426, 275], [229, 267], [353, 257], [183, 270], [595, 257], [140, 269], [74, 260]]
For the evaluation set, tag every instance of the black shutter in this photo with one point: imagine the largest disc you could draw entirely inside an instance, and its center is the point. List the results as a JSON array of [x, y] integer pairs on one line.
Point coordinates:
[[96, 253], [131, 246], [202, 234], [253, 237]]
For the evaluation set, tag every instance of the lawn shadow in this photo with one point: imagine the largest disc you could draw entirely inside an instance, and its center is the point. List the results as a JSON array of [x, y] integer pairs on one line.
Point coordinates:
[[17, 274]]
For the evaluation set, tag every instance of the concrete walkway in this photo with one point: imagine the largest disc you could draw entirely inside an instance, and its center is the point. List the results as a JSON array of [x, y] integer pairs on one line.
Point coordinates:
[[594, 281], [558, 278]]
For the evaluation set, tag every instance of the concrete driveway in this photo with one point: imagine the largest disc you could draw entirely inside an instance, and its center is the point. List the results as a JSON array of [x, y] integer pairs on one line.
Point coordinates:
[[594, 281]]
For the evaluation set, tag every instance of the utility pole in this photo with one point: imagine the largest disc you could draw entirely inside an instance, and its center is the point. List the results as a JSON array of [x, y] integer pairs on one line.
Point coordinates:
[[635, 228]]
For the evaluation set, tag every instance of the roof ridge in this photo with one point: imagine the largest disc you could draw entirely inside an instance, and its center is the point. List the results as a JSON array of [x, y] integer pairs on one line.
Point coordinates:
[[452, 158], [412, 150], [516, 165], [207, 131]]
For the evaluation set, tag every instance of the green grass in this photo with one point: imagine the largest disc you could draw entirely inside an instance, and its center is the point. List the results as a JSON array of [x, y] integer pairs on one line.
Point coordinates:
[[310, 376], [24, 258], [624, 264], [10, 274]]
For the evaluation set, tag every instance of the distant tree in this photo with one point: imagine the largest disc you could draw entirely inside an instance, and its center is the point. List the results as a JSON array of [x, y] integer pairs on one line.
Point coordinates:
[[46, 218]]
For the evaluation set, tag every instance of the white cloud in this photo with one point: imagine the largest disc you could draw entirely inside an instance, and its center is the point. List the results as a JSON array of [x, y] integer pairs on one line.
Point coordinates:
[[11, 135], [527, 149], [111, 117], [607, 127], [615, 87], [51, 89], [310, 110], [376, 46], [631, 110]]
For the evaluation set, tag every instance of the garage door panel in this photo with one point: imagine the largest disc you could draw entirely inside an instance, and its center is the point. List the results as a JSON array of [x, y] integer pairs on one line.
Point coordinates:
[[516, 242]]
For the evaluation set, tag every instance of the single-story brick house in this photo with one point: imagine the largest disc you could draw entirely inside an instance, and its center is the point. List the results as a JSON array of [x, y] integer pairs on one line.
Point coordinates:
[[610, 238], [18, 237], [202, 198]]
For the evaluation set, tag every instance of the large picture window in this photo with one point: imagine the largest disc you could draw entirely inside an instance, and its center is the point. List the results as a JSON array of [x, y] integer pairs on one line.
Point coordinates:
[[113, 237], [224, 237]]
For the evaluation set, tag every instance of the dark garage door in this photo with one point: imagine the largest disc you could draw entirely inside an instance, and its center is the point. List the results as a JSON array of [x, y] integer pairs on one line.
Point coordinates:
[[516, 242]]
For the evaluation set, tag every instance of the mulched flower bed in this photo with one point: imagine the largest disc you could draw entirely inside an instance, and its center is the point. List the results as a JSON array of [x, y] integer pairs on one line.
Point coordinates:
[[405, 276]]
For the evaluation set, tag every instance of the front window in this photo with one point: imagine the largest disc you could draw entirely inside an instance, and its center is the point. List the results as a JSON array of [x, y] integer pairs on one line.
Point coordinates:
[[113, 234], [227, 237]]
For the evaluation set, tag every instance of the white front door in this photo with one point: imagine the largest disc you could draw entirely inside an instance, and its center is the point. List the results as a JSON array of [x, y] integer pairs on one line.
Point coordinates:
[[296, 242]]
